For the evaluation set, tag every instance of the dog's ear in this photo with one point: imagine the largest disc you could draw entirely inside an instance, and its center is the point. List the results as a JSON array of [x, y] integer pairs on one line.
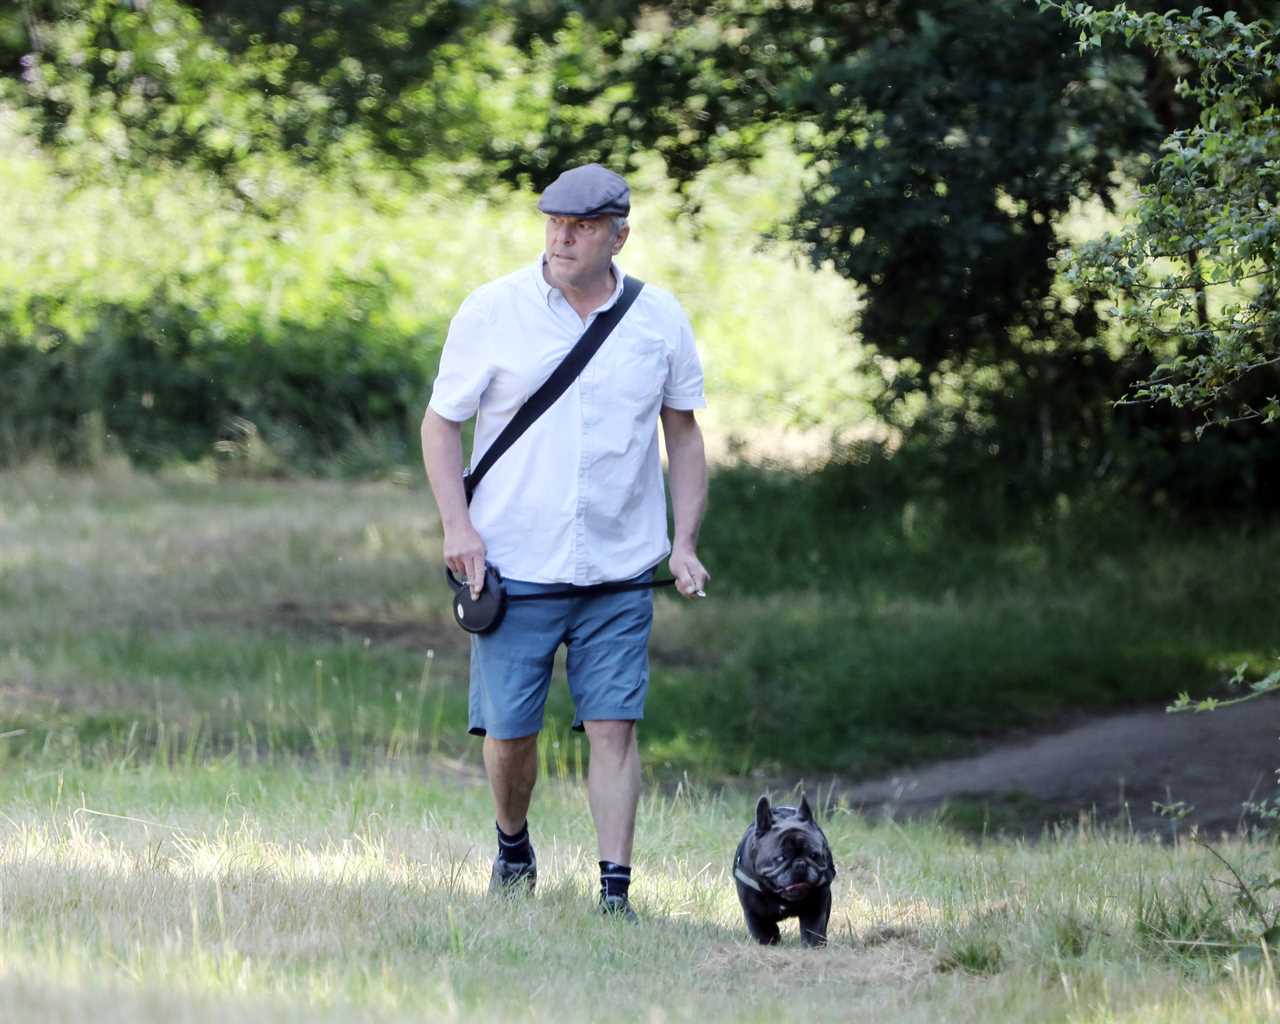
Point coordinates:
[[764, 816], [805, 813]]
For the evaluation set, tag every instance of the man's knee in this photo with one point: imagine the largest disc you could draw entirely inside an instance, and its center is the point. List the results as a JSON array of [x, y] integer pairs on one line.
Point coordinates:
[[610, 737], [511, 751]]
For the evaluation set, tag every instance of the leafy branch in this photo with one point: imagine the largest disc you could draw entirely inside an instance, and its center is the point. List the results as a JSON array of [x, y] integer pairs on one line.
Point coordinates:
[[1267, 684], [1196, 267]]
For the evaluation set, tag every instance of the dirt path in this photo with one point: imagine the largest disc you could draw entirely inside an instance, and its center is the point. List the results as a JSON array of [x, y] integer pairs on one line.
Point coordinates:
[[1212, 761]]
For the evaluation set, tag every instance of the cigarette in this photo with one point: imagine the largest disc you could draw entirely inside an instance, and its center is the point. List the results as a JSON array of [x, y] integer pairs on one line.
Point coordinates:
[[701, 593]]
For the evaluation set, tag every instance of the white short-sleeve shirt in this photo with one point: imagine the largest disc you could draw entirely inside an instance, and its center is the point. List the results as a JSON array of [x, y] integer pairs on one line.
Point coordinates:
[[579, 497]]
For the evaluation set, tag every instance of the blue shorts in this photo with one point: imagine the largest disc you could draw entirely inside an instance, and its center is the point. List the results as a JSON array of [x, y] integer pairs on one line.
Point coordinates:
[[607, 638]]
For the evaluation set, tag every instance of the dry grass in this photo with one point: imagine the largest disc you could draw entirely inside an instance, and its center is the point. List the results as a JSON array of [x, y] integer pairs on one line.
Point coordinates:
[[309, 891], [321, 868]]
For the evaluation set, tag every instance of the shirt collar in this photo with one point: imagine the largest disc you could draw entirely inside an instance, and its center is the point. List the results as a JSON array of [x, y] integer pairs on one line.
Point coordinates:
[[549, 292]]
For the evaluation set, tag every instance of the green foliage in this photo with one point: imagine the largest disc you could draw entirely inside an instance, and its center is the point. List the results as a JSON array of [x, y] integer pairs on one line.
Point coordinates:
[[235, 173], [158, 307], [933, 187], [163, 392], [943, 186], [947, 147], [248, 90], [158, 310], [1269, 683], [1196, 270], [1265, 811], [1004, 814]]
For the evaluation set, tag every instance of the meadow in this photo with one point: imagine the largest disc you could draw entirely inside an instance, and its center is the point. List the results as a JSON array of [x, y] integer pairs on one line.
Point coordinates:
[[305, 890], [235, 783], [311, 617]]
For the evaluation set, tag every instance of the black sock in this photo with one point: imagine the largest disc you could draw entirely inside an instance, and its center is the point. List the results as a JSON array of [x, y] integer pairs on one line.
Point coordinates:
[[514, 849], [614, 879]]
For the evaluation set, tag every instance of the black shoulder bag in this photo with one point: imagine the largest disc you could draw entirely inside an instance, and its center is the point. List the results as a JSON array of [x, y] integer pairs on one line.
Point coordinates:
[[482, 614]]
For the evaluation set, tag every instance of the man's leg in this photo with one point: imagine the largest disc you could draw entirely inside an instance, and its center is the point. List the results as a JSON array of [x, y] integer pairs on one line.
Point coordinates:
[[512, 767], [613, 790], [608, 668], [510, 674], [613, 787]]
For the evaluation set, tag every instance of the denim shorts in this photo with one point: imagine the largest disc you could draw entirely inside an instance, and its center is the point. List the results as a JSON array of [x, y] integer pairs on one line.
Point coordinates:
[[607, 642]]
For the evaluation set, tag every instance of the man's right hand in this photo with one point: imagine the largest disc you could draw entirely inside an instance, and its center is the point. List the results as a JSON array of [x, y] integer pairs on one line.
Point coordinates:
[[464, 555]]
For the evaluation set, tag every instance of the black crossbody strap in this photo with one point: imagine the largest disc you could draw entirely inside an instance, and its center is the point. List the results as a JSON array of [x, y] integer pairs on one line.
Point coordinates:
[[554, 386]]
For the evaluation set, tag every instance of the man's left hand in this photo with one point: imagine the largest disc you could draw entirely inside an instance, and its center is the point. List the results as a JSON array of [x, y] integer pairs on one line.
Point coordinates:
[[691, 575]]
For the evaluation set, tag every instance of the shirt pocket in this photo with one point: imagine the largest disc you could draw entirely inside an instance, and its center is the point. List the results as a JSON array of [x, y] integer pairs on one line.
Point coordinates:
[[640, 370]]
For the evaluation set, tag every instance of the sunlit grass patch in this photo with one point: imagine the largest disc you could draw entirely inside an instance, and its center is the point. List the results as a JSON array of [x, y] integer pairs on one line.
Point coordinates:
[[269, 892]]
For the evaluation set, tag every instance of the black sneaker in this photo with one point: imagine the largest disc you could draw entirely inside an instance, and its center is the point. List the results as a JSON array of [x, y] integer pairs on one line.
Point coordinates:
[[617, 907], [509, 876]]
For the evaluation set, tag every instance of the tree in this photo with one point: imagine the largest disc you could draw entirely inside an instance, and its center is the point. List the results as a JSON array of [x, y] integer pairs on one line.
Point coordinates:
[[1195, 272], [247, 89], [945, 142]]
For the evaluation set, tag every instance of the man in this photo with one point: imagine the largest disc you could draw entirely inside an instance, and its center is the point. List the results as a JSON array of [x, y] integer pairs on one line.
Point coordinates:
[[577, 500]]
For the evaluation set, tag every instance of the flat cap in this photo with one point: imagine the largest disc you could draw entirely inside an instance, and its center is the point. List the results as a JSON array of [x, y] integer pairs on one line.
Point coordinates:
[[587, 191]]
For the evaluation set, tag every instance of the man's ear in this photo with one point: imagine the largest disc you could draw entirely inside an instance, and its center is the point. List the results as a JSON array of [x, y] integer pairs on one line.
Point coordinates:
[[621, 239]]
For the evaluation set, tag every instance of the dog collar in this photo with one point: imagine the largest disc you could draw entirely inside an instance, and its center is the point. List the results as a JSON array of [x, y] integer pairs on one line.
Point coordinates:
[[752, 883]]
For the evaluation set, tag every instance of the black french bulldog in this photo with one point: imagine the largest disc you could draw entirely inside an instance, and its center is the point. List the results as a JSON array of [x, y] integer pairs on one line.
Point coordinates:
[[782, 869]]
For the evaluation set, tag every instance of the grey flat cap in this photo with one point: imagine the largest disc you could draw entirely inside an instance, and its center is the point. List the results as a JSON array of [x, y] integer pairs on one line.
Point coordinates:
[[587, 191]]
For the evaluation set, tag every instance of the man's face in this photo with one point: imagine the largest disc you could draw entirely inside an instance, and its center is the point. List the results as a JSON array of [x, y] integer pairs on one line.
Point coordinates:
[[580, 249]]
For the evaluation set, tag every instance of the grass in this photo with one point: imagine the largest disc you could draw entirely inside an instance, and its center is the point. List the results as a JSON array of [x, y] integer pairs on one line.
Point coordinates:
[[870, 626], [305, 889], [234, 785], [310, 617]]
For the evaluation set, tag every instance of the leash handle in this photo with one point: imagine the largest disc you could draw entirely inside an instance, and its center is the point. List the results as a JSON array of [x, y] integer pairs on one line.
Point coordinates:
[[483, 613]]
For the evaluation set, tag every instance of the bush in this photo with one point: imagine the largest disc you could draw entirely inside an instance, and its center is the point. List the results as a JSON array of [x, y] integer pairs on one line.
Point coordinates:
[[160, 385]]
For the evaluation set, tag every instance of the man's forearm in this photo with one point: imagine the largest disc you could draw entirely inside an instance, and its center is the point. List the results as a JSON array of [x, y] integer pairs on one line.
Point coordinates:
[[442, 453], [442, 456], [687, 469]]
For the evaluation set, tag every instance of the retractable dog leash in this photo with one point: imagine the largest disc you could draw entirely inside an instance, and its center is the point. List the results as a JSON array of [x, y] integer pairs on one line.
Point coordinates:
[[483, 613]]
